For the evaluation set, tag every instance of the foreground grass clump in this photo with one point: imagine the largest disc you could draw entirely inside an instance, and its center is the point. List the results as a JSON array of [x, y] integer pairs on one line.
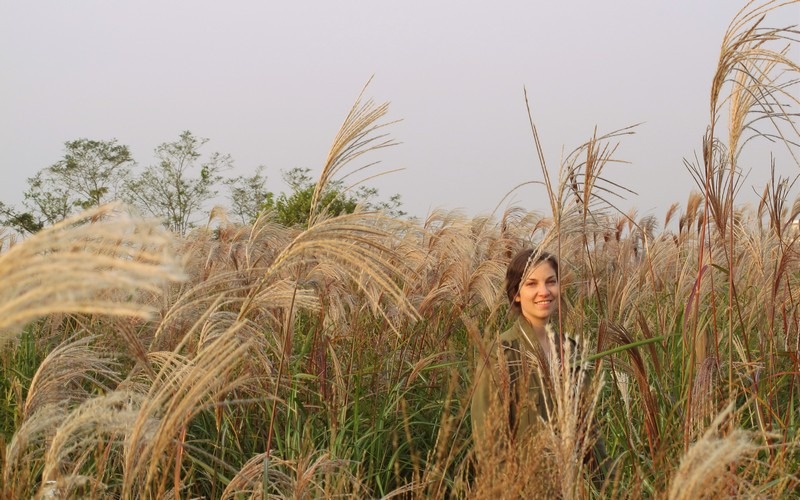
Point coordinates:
[[337, 359]]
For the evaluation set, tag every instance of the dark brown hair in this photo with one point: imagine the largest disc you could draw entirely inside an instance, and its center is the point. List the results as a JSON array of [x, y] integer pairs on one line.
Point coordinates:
[[523, 261]]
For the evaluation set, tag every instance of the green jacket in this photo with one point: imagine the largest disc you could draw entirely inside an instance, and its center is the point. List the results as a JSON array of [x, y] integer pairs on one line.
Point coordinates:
[[510, 386]]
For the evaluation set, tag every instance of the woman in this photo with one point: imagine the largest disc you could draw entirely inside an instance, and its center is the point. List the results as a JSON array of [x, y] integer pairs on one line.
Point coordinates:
[[515, 387]]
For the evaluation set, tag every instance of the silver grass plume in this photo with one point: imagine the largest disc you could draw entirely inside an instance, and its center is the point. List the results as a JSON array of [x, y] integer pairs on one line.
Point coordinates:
[[92, 263]]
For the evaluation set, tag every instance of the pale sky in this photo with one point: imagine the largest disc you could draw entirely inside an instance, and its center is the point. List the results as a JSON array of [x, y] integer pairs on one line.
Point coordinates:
[[270, 83]]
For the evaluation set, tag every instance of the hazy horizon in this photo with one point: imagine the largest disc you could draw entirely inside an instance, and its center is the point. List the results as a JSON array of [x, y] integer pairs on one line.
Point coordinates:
[[270, 85]]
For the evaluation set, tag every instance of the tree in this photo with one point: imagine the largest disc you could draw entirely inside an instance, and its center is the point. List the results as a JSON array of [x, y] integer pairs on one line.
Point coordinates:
[[24, 222], [168, 189], [249, 196], [294, 209], [90, 174]]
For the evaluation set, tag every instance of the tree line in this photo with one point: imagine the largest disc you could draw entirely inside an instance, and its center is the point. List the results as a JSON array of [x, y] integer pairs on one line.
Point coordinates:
[[175, 188]]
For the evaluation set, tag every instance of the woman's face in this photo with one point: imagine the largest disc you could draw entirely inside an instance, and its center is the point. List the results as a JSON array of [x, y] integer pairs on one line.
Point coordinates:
[[538, 294]]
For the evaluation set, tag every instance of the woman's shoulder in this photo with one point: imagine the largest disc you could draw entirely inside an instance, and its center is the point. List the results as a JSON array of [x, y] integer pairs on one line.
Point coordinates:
[[513, 333], [508, 338]]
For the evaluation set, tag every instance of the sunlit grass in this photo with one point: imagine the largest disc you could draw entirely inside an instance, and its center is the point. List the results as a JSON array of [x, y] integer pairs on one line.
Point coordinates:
[[338, 360]]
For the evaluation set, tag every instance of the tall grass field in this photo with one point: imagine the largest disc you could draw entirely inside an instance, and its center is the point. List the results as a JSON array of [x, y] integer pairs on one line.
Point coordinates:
[[337, 359]]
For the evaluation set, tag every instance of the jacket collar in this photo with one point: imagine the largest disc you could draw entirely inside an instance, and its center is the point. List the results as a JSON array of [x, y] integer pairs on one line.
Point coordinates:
[[526, 333]]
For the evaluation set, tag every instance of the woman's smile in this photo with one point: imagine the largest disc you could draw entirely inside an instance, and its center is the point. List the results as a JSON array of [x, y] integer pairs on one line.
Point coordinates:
[[538, 294]]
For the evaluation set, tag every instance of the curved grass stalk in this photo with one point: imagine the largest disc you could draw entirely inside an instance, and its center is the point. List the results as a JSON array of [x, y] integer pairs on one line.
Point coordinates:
[[94, 263]]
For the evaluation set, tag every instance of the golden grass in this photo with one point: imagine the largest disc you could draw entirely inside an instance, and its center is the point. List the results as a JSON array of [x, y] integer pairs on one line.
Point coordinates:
[[320, 477], [708, 469], [70, 374], [254, 360], [93, 263], [182, 387]]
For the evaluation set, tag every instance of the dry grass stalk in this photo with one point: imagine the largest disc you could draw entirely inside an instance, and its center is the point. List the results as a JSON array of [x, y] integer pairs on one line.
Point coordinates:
[[181, 389], [464, 263], [265, 476], [69, 375], [88, 443], [613, 335], [570, 427], [359, 246], [504, 468], [708, 469], [73, 265], [355, 138], [756, 80], [26, 451], [704, 396]]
